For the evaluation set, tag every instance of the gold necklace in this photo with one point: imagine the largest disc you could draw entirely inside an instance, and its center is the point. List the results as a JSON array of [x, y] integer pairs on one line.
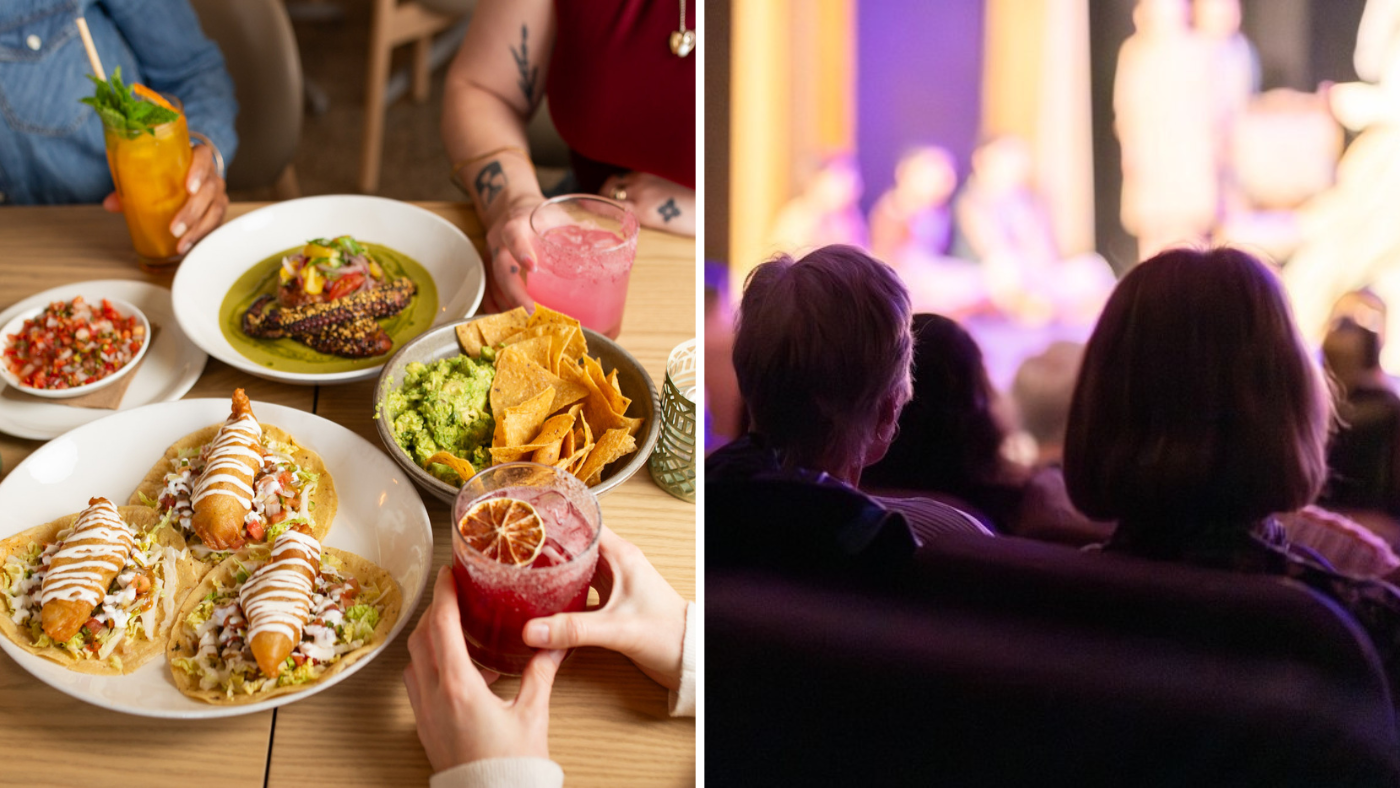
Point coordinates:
[[682, 41]]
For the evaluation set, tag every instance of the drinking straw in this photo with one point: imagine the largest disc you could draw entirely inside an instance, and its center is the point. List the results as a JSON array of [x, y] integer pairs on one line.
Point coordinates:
[[91, 50]]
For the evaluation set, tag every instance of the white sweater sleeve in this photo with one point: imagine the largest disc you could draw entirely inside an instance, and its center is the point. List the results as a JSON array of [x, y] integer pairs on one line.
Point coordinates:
[[683, 700], [501, 773]]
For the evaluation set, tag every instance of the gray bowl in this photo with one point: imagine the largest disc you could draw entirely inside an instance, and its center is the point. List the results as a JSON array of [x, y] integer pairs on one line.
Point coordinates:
[[441, 342]]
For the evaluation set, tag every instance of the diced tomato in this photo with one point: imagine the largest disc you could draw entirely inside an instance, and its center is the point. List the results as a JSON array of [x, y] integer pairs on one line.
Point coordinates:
[[285, 478], [279, 517], [300, 659], [256, 531], [93, 626], [344, 286], [141, 583]]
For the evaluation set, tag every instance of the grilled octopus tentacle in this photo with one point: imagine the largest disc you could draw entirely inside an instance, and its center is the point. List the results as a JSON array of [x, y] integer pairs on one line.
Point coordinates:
[[360, 338]]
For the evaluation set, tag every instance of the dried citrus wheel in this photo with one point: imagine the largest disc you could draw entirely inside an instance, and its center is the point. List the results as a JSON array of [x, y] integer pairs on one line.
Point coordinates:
[[151, 96], [507, 530]]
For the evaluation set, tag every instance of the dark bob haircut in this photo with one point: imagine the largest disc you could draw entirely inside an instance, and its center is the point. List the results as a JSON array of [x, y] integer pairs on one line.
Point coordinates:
[[1197, 402]]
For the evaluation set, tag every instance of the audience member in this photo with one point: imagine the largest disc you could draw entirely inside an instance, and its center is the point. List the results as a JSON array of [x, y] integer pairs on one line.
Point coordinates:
[[822, 352], [1042, 390], [1364, 457], [949, 447], [1199, 414]]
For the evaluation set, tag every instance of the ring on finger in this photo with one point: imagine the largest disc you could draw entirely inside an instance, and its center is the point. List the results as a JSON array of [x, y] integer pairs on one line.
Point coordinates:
[[619, 192]]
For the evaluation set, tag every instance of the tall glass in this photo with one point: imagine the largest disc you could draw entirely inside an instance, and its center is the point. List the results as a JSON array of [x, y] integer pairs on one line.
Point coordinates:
[[496, 599], [149, 171], [585, 246]]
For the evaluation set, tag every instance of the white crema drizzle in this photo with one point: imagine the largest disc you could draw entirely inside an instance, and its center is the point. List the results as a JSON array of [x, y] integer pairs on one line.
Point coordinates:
[[106, 543], [235, 449], [277, 598]]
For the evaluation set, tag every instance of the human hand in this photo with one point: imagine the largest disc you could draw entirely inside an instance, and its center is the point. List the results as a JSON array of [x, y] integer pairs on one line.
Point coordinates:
[[512, 254], [459, 718], [641, 616], [203, 211], [657, 202]]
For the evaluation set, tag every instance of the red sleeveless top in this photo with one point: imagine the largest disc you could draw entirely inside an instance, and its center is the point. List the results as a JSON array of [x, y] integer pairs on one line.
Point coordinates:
[[619, 97]]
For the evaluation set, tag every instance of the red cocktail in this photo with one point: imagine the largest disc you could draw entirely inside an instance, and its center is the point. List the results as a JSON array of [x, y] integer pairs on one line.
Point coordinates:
[[586, 246], [538, 561]]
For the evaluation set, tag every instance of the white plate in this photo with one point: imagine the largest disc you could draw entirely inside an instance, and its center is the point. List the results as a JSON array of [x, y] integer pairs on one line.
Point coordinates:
[[123, 308], [380, 517], [206, 275], [172, 365]]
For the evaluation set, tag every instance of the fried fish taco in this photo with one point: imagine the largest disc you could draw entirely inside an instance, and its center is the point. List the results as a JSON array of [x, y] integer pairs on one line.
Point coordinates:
[[268, 622], [238, 483], [97, 591]]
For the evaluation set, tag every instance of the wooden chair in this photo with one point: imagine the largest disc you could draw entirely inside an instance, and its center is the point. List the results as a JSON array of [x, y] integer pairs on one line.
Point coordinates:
[[260, 51]]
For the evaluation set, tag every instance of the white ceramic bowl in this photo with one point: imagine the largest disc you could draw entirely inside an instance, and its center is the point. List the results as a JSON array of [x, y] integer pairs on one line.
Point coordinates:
[[206, 275], [17, 322]]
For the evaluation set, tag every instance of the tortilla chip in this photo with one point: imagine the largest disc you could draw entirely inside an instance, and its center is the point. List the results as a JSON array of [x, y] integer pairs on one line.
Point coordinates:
[[535, 349], [608, 388], [469, 337], [495, 328], [578, 345], [613, 444], [323, 499], [515, 425], [463, 468], [518, 379], [559, 337], [131, 653], [551, 433], [184, 644]]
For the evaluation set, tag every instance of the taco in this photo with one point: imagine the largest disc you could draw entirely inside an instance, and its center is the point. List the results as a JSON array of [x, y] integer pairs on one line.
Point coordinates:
[[238, 614], [238, 483], [96, 591]]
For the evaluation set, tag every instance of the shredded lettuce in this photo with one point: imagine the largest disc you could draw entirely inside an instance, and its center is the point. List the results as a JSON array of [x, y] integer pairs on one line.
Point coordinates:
[[147, 500], [201, 612], [274, 531], [360, 621], [297, 675], [186, 664]]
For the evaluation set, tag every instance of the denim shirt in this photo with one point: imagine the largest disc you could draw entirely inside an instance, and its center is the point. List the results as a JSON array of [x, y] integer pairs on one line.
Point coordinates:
[[51, 146]]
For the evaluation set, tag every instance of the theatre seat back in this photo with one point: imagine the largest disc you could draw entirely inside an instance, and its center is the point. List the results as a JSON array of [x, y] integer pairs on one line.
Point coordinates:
[[810, 684]]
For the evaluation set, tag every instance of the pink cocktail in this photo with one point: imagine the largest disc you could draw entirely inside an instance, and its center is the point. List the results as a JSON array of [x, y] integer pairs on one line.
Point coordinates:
[[495, 598], [585, 246]]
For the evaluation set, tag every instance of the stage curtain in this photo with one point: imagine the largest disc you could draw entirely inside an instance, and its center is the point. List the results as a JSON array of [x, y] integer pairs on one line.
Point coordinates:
[[1036, 86]]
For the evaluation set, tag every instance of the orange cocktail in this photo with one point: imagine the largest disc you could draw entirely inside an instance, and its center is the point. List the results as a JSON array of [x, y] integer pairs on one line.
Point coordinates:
[[149, 170]]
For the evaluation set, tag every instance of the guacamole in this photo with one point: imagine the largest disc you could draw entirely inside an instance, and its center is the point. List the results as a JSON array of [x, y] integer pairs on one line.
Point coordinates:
[[445, 406]]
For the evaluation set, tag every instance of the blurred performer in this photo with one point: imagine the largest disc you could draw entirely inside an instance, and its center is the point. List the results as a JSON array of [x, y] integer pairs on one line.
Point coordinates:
[[827, 212], [1235, 74], [1351, 238], [1163, 107], [911, 228], [1008, 229]]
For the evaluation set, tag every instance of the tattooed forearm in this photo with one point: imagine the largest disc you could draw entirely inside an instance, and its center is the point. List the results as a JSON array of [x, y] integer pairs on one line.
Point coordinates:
[[668, 210], [490, 181], [527, 73]]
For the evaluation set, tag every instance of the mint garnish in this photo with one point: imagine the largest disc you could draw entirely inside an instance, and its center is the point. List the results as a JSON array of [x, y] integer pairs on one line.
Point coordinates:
[[122, 111]]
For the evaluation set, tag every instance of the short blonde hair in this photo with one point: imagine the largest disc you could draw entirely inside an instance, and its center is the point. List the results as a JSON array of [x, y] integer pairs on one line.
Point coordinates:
[[821, 342]]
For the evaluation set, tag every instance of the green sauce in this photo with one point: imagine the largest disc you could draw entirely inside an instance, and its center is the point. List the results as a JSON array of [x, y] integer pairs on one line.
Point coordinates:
[[289, 355]]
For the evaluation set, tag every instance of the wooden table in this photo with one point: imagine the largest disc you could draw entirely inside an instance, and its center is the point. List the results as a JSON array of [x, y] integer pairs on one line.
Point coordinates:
[[608, 722]]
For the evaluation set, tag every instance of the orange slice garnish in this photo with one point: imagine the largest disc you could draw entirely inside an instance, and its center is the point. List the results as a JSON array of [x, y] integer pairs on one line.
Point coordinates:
[[151, 96], [506, 530]]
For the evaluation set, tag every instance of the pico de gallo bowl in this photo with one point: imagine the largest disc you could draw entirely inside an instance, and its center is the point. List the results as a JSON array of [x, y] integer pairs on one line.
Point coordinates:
[[70, 348]]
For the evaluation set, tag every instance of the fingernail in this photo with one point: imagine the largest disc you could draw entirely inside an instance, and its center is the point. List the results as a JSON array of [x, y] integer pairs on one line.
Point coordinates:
[[194, 185], [537, 632], [178, 230], [556, 656]]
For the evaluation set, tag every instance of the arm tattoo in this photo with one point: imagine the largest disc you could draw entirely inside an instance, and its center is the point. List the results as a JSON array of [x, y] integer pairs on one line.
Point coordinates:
[[490, 181], [668, 210], [528, 73]]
